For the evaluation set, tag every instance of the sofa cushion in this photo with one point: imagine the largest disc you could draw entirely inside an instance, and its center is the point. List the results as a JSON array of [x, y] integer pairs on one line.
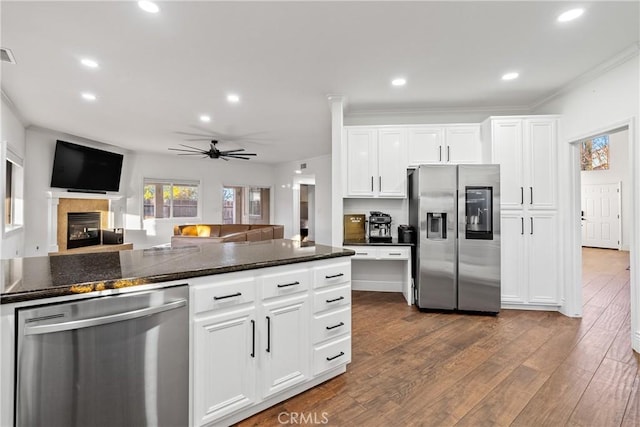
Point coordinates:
[[189, 230], [233, 228]]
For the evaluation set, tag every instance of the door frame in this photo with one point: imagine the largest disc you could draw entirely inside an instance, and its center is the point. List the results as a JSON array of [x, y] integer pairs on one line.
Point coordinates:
[[574, 288]]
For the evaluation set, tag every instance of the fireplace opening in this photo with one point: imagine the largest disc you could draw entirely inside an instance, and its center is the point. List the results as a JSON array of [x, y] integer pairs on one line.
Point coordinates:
[[83, 229]]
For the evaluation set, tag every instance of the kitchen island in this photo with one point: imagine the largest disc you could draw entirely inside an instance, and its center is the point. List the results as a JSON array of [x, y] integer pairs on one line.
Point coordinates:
[[280, 309]]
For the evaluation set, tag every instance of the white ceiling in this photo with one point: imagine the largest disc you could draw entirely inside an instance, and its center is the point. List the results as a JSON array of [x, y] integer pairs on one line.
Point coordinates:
[[159, 73]]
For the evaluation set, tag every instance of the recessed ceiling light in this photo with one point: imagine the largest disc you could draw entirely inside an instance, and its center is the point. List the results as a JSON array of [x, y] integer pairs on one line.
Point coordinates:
[[570, 15], [399, 82], [233, 98], [205, 118], [510, 76], [298, 171], [89, 96], [89, 63], [148, 6]]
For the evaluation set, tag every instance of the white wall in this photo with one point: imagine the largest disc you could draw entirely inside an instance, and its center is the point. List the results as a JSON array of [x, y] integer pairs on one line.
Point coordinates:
[[618, 172], [212, 174], [40, 149], [320, 167], [601, 104], [12, 137]]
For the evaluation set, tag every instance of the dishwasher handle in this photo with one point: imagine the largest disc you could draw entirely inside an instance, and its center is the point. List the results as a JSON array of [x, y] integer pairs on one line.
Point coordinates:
[[102, 320]]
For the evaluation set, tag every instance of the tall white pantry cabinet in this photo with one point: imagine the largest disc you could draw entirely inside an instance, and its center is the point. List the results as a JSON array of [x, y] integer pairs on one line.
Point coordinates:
[[525, 147]]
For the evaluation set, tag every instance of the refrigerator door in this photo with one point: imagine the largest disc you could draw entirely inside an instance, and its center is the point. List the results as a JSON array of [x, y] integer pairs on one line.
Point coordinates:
[[437, 240], [479, 238]]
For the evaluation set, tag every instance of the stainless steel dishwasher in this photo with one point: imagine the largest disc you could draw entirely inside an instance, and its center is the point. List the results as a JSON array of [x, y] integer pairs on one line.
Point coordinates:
[[110, 361]]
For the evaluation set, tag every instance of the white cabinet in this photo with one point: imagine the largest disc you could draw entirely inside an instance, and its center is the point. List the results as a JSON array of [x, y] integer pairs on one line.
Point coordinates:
[[375, 162], [526, 150], [286, 345], [440, 144], [224, 349], [259, 336]]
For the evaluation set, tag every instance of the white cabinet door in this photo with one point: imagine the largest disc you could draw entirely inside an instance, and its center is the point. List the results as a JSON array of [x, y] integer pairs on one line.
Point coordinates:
[[392, 163], [512, 258], [463, 144], [543, 258], [507, 152], [361, 162], [224, 369], [542, 157], [286, 349], [425, 145]]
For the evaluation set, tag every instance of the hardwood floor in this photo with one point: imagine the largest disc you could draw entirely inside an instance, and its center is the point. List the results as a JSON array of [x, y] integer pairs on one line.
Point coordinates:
[[522, 368]]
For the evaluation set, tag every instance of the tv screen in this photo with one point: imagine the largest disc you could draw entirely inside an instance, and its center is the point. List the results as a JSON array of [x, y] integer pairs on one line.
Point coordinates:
[[76, 167]]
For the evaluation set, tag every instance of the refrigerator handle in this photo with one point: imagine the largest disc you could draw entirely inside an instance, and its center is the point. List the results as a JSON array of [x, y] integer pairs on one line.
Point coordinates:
[[522, 225], [530, 195], [531, 218]]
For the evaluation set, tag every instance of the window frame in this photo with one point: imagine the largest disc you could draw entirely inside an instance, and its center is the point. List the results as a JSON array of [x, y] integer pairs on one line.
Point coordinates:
[[172, 183]]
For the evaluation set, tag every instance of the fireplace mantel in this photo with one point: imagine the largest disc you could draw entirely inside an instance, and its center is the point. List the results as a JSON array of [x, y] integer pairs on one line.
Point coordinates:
[[74, 195]]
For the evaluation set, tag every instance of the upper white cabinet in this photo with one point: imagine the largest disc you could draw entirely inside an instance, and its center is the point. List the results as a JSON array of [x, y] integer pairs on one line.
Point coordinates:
[[526, 149], [375, 162], [444, 144]]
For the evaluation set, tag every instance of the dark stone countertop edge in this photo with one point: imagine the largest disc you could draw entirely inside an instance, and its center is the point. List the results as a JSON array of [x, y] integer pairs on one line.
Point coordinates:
[[83, 288]]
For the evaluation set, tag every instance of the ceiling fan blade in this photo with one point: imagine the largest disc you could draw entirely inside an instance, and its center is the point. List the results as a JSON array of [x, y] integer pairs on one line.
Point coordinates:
[[232, 151], [237, 157], [189, 154], [241, 154], [198, 139], [188, 151], [193, 148]]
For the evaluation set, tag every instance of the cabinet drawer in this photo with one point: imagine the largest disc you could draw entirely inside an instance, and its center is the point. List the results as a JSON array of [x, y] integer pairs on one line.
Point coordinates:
[[364, 252], [330, 355], [224, 294], [327, 299], [394, 253], [332, 274], [331, 325], [285, 283]]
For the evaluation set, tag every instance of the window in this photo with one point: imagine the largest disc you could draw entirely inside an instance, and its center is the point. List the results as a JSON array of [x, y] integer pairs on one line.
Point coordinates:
[[170, 199], [13, 191], [594, 154], [245, 205]]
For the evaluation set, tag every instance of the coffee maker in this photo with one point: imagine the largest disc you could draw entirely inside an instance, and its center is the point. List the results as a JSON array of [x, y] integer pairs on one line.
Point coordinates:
[[379, 227]]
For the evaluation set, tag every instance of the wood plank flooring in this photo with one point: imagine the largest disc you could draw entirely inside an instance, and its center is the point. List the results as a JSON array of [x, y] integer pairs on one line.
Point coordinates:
[[522, 368]]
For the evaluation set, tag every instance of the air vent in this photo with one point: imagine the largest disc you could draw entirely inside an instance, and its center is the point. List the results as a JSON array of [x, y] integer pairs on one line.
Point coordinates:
[[6, 55], [303, 165]]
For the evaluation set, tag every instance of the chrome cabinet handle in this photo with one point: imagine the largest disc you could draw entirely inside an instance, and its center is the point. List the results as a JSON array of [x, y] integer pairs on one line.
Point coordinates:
[[395, 253], [103, 320], [237, 294], [362, 253], [380, 182], [284, 285]]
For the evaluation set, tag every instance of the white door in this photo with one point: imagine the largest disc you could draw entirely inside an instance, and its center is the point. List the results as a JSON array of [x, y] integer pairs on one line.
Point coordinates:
[[392, 163], [601, 215], [224, 368], [286, 349], [463, 144]]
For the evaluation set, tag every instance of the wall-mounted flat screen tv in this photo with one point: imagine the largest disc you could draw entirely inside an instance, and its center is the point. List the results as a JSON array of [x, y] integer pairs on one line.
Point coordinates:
[[80, 168]]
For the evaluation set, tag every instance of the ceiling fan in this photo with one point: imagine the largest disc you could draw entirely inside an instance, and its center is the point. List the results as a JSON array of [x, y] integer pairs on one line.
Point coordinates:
[[213, 152]]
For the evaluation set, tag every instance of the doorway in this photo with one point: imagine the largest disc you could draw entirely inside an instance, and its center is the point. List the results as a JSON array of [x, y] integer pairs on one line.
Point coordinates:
[[584, 257], [246, 205], [304, 208]]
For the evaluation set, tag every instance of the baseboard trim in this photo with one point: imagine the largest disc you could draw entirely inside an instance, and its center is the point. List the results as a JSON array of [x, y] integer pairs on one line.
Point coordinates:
[[535, 307]]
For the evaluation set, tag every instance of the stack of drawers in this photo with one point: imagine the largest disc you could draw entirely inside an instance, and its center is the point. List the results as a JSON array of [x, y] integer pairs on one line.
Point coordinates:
[[331, 325]]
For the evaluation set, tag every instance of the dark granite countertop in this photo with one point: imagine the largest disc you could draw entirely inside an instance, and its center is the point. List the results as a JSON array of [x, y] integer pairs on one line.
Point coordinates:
[[25, 279], [394, 242]]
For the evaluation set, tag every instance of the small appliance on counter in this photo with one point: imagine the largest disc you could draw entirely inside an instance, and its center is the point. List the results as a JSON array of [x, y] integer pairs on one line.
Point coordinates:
[[379, 227], [406, 234], [354, 228]]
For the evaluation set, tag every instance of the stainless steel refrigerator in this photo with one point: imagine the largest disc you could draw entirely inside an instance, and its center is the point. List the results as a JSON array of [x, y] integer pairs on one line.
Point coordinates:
[[455, 210]]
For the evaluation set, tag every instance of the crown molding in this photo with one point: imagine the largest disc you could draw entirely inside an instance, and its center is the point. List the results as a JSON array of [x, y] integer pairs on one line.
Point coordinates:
[[615, 61], [374, 112]]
